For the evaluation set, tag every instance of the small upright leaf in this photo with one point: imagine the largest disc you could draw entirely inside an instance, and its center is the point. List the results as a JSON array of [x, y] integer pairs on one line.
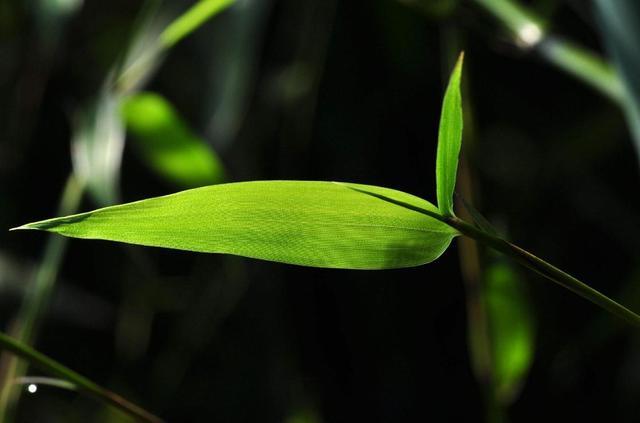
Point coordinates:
[[167, 144], [449, 141], [319, 224]]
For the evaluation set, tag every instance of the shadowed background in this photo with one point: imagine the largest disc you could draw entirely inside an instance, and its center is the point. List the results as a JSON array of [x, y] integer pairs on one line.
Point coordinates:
[[328, 90]]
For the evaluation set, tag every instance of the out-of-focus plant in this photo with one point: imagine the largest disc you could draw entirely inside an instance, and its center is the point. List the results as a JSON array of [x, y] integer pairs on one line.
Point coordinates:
[[167, 144], [320, 224], [619, 25], [97, 147]]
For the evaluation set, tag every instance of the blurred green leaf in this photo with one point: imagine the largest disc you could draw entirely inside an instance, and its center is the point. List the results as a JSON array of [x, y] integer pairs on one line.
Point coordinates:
[[97, 145], [449, 141], [320, 224], [45, 381], [527, 28], [511, 326], [143, 56], [167, 145], [620, 27], [191, 20]]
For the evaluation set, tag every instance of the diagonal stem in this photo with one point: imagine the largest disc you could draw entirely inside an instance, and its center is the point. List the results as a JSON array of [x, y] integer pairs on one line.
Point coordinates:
[[82, 383], [545, 269]]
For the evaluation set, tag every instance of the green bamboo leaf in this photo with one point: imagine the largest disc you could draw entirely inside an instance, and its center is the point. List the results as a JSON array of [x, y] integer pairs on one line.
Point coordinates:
[[167, 144], [449, 141], [319, 224], [191, 20], [512, 331]]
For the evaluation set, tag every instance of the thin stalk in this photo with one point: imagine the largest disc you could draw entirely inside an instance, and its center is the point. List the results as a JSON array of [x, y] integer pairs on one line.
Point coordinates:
[[82, 383], [37, 299], [545, 269], [530, 32], [584, 65]]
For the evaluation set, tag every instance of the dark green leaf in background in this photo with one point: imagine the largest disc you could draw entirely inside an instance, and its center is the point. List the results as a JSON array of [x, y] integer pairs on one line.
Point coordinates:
[[511, 326], [167, 144]]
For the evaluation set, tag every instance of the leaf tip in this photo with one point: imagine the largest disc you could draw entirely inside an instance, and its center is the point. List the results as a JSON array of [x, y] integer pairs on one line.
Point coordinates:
[[21, 228], [459, 63]]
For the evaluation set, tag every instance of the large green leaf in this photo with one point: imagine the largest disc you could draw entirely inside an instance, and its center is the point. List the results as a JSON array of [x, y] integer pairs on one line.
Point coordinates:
[[449, 141], [167, 144], [320, 224]]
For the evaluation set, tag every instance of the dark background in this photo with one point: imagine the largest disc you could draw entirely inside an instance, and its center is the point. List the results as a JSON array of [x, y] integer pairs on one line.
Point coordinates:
[[329, 90]]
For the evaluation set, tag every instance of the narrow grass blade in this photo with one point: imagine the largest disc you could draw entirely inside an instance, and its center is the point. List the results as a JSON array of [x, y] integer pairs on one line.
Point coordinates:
[[191, 20], [80, 382], [620, 27], [449, 141], [319, 224], [45, 381], [167, 144]]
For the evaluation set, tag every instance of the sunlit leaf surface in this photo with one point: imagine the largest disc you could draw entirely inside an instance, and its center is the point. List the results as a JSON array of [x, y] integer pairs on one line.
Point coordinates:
[[320, 224]]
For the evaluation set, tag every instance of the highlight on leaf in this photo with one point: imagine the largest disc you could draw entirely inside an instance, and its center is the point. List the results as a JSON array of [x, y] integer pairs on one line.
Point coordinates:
[[319, 224]]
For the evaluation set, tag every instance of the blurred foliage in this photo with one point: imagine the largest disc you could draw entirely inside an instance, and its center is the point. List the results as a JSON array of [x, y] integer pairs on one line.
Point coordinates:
[[97, 145], [301, 89], [166, 143], [620, 23], [191, 20], [511, 329]]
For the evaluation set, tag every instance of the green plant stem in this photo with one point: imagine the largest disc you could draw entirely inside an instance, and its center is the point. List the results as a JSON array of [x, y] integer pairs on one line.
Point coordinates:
[[529, 31], [545, 269], [513, 15], [584, 65], [191, 20], [82, 383], [37, 298]]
